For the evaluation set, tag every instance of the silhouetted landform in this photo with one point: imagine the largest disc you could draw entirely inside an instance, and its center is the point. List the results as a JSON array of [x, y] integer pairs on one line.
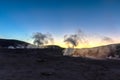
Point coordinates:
[[11, 43], [49, 64], [53, 47], [101, 52]]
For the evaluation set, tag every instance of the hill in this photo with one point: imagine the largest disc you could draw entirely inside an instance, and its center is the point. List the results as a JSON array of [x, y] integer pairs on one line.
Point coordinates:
[[12, 43]]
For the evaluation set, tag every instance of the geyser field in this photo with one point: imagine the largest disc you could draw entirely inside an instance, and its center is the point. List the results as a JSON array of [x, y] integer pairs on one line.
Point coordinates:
[[59, 39], [50, 64], [108, 49], [24, 61], [101, 52]]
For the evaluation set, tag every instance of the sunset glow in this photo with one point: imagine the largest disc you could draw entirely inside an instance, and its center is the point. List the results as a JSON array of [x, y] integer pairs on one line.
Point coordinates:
[[98, 20]]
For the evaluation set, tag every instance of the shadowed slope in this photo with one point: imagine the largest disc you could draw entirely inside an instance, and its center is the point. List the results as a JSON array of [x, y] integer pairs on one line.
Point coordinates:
[[6, 43]]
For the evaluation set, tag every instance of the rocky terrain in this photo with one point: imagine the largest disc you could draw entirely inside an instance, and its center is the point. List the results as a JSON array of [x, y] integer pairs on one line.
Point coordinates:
[[49, 64], [100, 52]]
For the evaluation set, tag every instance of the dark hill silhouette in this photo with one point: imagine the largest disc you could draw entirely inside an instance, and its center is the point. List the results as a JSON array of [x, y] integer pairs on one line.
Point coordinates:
[[6, 43], [53, 47]]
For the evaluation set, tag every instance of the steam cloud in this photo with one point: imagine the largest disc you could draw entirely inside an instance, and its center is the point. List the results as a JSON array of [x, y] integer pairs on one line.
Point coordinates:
[[102, 52], [42, 39], [72, 39], [96, 52], [75, 39], [107, 40]]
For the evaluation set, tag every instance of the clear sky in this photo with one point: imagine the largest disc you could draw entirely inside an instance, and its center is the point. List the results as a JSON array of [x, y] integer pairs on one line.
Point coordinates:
[[19, 19]]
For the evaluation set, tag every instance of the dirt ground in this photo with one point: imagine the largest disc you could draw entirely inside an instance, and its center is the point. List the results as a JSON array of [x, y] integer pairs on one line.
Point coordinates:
[[49, 64]]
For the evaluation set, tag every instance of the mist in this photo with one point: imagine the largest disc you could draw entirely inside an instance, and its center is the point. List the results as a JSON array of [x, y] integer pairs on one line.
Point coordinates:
[[107, 40], [104, 50], [75, 39], [41, 39]]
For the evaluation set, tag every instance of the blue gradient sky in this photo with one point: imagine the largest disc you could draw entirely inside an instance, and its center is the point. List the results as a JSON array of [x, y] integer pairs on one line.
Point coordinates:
[[20, 18]]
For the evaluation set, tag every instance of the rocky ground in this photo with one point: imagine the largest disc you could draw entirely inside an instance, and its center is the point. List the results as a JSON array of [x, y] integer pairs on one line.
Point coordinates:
[[49, 64]]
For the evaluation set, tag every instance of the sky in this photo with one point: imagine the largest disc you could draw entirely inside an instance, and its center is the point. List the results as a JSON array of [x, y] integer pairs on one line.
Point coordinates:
[[19, 19]]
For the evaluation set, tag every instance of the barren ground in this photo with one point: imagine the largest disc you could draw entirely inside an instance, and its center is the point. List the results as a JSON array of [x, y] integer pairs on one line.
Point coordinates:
[[49, 64]]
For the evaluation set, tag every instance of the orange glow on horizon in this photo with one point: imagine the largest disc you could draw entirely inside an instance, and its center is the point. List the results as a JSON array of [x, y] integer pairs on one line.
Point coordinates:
[[81, 45], [94, 43]]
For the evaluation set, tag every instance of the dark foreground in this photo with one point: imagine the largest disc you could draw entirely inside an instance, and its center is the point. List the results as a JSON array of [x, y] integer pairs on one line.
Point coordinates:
[[49, 64]]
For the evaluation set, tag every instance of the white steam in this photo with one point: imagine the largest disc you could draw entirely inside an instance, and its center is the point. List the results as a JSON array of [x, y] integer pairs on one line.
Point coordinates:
[[72, 39], [75, 39], [68, 51], [102, 52], [80, 38], [107, 40], [41, 39]]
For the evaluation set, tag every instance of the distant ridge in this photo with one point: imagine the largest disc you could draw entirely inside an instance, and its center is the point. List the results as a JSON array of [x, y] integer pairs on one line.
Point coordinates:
[[53, 46], [7, 43]]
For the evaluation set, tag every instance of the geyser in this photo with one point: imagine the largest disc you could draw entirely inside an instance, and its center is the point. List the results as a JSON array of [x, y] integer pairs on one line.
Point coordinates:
[[75, 39], [101, 52], [40, 39]]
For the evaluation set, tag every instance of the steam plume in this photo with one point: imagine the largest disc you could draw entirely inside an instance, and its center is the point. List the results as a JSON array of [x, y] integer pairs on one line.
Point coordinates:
[[42, 39], [72, 39], [107, 40], [101, 52], [75, 39]]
